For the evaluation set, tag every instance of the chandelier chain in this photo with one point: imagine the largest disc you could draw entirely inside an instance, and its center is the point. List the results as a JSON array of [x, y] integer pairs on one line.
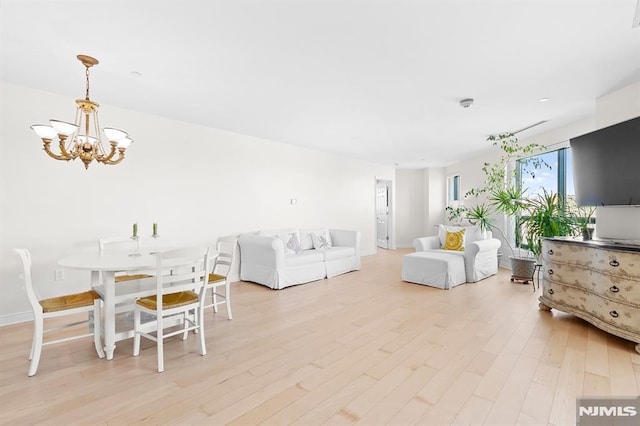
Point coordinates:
[[87, 75]]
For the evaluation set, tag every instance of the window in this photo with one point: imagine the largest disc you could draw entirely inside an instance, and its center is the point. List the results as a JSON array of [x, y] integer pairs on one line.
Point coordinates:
[[453, 189], [550, 172]]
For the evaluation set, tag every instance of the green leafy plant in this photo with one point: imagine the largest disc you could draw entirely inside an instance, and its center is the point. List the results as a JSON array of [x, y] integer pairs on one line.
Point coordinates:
[[480, 215], [454, 213], [543, 216], [539, 216], [496, 174]]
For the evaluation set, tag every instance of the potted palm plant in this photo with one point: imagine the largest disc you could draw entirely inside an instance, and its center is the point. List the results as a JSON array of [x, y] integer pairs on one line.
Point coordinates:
[[535, 217], [544, 217]]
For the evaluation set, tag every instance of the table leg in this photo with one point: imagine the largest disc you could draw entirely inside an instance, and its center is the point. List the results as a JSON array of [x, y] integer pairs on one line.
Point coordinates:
[[95, 278], [108, 279]]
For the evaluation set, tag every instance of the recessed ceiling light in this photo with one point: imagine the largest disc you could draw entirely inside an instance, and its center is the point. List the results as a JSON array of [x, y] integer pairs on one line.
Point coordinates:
[[543, 99]]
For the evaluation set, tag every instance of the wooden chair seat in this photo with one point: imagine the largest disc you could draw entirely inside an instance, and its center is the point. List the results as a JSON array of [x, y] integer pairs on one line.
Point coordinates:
[[214, 278], [70, 301], [124, 278], [169, 301]]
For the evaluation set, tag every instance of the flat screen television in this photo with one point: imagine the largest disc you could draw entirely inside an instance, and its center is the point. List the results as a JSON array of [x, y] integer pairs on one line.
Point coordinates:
[[606, 165]]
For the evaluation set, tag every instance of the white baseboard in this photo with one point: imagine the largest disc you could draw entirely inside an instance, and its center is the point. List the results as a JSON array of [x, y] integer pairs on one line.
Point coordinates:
[[16, 318], [404, 245]]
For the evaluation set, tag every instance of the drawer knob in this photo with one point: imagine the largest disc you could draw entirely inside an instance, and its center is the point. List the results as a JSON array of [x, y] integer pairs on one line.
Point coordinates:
[[551, 291], [614, 289], [550, 271], [613, 314], [550, 252], [614, 263]]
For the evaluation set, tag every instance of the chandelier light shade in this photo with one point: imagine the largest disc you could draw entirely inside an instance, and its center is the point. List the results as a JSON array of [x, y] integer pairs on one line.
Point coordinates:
[[83, 138]]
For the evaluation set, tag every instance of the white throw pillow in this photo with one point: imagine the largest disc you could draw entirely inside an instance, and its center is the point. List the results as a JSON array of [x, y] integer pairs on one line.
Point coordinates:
[[321, 240], [291, 242], [306, 239], [277, 232], [442, 232], [473, 233]]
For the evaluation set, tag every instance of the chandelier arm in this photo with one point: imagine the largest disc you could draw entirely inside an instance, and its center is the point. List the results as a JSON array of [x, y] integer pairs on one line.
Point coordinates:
[[107, 158], [63, 149], [47, 149], [118, 160]]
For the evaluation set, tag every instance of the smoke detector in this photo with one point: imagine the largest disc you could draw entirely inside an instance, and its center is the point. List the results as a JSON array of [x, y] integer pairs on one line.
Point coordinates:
[[466, 103]]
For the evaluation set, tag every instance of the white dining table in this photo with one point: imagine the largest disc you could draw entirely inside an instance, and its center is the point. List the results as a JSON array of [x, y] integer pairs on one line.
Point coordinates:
[[107, 265]]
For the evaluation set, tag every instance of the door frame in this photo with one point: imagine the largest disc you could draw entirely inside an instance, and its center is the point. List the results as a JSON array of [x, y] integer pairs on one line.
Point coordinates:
[[390, 222]]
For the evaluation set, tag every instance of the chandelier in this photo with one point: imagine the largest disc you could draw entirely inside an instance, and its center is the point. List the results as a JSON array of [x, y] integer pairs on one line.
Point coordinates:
[[83, 137]]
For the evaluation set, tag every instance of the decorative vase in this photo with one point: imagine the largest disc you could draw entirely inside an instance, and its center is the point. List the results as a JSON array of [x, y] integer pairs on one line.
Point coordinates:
[[587, 233]]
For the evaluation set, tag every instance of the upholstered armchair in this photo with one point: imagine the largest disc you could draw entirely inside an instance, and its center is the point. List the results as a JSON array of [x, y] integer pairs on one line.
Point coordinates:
[[480, 250]]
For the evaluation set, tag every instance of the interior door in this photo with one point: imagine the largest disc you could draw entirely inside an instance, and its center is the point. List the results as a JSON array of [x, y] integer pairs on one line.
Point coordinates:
[[382, 213]]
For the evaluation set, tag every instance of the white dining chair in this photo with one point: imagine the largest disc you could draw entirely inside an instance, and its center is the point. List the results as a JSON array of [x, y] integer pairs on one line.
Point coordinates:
[[219, 277], [180, 287], [70, 304], [106, 244]]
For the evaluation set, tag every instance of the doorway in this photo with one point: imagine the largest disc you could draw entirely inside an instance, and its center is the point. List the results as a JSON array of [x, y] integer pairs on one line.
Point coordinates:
[[383, 212]]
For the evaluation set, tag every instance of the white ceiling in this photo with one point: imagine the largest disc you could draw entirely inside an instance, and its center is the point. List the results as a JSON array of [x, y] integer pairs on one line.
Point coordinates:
[[378, 80]]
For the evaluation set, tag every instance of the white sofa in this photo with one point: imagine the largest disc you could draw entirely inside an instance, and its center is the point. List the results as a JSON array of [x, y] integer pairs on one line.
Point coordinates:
[[480, 250], [271, 258]]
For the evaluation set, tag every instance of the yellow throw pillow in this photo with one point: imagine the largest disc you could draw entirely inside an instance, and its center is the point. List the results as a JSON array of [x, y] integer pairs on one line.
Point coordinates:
[[454, 241]]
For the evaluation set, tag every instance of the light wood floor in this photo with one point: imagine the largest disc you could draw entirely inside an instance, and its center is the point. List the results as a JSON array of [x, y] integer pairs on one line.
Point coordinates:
[[364, 348]]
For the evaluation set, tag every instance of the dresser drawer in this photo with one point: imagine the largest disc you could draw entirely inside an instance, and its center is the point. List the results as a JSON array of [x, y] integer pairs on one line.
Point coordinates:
[[574, 275], [619, 289], [558, 293], [617, 263], [617, 314], [572, 254]]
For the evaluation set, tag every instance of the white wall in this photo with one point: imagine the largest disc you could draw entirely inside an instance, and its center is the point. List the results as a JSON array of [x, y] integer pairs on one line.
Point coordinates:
[[421, 198], [618, 106], [198, 183], [435, 183], [410, 196]]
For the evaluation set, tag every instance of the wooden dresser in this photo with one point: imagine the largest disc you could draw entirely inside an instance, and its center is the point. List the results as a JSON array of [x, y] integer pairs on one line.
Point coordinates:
[[594, 280]]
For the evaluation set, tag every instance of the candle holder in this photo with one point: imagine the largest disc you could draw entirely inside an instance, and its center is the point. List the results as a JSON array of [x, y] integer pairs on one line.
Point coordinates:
[[137, 240], [155, 244]]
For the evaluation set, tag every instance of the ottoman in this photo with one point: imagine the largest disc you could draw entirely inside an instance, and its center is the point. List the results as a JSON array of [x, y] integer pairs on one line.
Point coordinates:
[[434, 268]]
